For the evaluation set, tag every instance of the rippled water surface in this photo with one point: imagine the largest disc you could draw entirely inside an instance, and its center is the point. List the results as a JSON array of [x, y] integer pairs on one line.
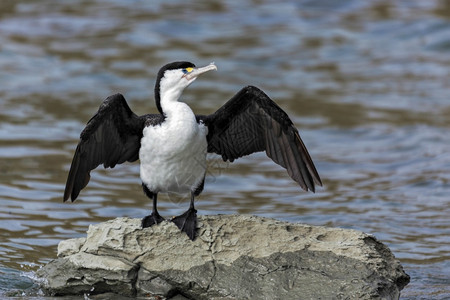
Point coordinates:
[[366, 82]]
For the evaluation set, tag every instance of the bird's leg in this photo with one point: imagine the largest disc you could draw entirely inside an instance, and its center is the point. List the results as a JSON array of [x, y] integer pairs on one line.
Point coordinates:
[[154, 217], [187, 222]]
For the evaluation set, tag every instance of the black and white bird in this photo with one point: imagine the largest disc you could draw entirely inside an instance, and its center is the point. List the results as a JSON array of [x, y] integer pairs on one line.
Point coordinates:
[[172, 144]]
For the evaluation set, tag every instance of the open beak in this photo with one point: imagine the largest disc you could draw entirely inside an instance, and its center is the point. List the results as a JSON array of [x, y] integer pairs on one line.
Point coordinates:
[[197, 71]]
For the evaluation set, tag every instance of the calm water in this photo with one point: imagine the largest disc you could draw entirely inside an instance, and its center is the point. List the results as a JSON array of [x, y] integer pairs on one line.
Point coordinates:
[[366, 82]]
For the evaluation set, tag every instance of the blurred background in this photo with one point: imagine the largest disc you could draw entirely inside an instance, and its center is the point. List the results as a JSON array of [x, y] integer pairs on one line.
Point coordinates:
[[366, 83]]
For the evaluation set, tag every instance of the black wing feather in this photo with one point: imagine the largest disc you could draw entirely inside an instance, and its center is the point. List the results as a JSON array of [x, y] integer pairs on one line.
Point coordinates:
[[251, 122], [112, 136]]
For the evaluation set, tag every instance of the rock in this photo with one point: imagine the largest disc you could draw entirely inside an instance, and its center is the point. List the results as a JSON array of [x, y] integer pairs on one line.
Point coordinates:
[[233, 257]]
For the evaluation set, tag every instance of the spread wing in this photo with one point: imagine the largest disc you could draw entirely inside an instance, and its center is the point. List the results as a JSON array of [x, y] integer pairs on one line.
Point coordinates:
[[112, 136], [251, 122]]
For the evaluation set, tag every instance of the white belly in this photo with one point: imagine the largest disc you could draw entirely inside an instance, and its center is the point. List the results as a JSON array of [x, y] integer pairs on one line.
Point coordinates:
[[173, 156]]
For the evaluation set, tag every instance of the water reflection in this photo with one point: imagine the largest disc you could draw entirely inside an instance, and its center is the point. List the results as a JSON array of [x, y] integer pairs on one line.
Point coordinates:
[[365, 81]]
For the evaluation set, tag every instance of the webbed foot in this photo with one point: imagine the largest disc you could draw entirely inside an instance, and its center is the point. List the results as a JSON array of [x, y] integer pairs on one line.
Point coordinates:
[[152, 219], [187, 222]]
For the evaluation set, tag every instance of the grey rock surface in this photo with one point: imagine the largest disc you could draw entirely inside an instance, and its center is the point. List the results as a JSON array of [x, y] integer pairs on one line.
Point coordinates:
[[233, 257]]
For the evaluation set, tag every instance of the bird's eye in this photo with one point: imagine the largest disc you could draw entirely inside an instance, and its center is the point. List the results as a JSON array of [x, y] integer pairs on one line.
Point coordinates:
[[187, 70]]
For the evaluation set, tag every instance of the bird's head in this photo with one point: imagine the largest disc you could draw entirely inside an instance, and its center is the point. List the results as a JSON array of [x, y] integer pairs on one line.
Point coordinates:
[[174, 77]]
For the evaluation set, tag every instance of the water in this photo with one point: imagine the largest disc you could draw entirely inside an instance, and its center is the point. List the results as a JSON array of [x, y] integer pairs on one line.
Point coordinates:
[[366, 82]]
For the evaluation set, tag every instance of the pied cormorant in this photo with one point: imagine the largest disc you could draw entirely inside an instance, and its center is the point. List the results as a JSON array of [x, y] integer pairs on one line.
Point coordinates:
[[172, 145]]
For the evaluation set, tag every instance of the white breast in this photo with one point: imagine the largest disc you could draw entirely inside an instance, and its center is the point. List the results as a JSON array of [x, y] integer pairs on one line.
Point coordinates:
[[173, 154]]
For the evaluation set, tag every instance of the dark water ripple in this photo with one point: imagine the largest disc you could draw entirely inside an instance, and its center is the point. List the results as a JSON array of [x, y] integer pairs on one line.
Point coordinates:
[[366, 82]]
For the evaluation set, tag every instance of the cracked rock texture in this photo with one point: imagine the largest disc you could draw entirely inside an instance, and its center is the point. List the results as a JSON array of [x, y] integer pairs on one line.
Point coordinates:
[[233, 257]]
